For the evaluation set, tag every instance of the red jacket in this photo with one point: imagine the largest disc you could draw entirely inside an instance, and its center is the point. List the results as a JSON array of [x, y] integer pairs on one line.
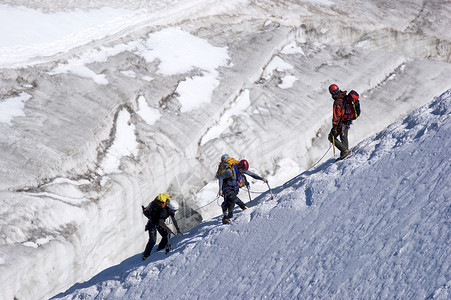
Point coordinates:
[[338, 109]]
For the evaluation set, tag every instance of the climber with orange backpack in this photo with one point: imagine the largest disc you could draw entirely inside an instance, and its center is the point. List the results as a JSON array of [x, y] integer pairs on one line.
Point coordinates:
[[346, 108], [231, 177]]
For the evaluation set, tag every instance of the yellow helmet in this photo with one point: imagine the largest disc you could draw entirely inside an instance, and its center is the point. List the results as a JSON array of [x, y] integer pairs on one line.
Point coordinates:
[[163, 197]]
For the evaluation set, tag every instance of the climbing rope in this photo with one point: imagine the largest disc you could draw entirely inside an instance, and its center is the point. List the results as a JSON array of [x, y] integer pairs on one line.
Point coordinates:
[[217, 197], [319, 159], [324, 155]]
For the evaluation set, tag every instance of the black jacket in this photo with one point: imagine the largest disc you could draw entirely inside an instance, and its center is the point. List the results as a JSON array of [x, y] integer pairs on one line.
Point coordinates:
[[154, 212]]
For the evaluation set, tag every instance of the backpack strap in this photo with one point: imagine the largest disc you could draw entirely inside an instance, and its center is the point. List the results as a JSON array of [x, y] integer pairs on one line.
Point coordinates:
[[239, 177]]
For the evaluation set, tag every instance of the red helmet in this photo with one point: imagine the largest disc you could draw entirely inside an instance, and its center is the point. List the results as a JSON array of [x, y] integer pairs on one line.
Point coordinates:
[[333, 89], [244, 165]]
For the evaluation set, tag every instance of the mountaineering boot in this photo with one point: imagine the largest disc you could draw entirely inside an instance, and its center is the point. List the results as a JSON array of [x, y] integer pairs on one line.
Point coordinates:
[[244, 208], [344, 154], [225, 217], [144, 257]]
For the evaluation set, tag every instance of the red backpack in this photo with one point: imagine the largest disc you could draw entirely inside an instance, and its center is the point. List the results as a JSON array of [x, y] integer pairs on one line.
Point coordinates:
[[351, 106]]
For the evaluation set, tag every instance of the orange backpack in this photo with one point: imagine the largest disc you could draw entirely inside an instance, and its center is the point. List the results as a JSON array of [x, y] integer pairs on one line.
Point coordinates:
[[230, 163]]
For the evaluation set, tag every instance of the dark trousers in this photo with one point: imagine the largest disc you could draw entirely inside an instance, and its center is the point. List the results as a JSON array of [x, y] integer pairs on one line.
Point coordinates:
[[230, 199], [152, 228], [342, 143]]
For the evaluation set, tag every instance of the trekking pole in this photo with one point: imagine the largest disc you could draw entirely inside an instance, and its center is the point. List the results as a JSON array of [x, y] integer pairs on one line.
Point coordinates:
[[333, 139], [272, 196]]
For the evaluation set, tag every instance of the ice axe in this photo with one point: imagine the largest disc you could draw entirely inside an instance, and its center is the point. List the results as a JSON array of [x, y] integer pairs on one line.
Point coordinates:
[[168, 245], [249, 193]]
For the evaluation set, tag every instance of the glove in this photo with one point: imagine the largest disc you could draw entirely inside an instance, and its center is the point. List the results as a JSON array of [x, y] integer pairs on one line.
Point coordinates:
[[334, 131]]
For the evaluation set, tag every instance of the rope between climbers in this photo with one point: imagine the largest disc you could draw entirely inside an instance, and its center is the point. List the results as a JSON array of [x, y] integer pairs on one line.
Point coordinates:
[[217, 197]]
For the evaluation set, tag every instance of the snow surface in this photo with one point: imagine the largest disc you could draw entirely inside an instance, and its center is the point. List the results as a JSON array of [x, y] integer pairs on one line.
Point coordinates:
[[374, 226], [104, 104], [13, 107]]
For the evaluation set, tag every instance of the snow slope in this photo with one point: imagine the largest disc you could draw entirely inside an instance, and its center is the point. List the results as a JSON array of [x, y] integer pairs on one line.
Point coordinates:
[[374, 226], [104, 104]]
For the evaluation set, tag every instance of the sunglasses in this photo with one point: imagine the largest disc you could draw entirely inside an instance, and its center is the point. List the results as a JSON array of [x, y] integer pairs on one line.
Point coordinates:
[[334, 92]]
